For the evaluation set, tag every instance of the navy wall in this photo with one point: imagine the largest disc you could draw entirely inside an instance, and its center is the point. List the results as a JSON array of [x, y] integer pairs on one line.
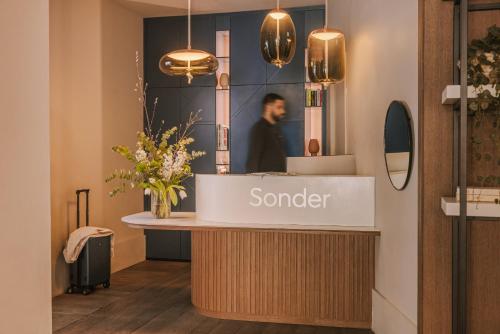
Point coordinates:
[[250, 79]]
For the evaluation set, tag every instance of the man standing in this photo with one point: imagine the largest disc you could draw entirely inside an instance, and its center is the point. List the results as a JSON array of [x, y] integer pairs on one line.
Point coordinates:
[[267, 153]]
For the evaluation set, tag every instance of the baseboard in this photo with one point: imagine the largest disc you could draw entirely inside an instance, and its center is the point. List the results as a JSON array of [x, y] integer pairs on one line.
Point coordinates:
[[128, 252], [388, 319]]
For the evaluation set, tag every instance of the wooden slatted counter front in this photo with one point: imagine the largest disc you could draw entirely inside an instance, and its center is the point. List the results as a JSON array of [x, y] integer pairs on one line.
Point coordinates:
[[317, 275]]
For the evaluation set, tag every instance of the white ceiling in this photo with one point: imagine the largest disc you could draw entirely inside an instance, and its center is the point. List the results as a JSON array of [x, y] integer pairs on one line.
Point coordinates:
[[152, 8]]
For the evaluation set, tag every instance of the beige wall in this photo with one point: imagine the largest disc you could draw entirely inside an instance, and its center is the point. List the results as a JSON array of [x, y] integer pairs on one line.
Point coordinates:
[[93, 107], [383, 66], [25, 306]]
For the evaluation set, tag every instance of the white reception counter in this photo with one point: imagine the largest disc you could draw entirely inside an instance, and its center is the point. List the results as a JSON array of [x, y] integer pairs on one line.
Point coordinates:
[[306, 241], [301, 200], [317, 203]]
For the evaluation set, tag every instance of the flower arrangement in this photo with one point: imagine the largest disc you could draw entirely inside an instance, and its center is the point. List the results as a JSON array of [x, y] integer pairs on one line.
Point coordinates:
[[161, 159]]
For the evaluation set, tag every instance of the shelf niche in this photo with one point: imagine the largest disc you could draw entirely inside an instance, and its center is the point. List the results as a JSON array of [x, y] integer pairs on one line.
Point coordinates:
[[222, 104]]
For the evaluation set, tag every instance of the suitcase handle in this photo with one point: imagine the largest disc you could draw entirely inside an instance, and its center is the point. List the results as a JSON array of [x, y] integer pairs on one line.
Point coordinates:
[[78, 192]]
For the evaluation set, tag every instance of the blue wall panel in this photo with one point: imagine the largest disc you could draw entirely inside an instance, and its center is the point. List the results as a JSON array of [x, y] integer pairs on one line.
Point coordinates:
[[168, 107], [293, 131], [204, 136], [161, 35], [247, 65], [314, 19], [194, 99], [222, 22]]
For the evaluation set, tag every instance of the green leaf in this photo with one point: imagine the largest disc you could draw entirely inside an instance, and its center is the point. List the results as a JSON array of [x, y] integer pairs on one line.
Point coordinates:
[[173, 196]]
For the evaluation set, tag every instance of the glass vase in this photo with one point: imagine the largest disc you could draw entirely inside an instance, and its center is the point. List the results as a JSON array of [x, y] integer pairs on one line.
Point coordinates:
[[160, 204]]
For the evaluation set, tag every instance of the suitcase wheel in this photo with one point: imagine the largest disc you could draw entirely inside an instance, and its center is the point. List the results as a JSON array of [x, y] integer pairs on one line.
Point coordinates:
[[86, 291], [106, 285], [69, 290]]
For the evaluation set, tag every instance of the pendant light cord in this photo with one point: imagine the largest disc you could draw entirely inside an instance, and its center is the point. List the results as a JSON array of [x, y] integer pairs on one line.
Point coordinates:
[[189, 24], [326, 13], [278, 4]]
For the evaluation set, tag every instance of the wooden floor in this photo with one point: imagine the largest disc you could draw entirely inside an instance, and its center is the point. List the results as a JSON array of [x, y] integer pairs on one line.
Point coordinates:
[[154, 297]]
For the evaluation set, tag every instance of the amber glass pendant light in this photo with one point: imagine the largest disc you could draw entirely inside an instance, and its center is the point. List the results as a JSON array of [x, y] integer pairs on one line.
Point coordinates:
[[277, 37], [188, 62], [326, 54]]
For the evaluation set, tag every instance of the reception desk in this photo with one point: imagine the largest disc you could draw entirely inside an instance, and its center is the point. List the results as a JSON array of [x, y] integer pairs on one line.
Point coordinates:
[[289, 249]]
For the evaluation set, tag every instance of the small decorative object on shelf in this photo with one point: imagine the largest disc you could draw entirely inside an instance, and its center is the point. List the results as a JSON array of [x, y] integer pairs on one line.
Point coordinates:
[[161, 161], [222, 169], [222, 137], [313, 147], [476, 194], [314, 97], [224, 81]]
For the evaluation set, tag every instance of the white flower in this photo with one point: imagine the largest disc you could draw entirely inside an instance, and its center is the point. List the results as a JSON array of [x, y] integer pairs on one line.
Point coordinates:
[[166, 170], [132, 185], [182, 194], [140, 155], [147, 191], [152, 180], [197, 154], [180, 159]]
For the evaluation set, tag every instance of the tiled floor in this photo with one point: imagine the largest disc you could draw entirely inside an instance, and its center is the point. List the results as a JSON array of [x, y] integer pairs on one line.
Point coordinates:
[[154, 297]]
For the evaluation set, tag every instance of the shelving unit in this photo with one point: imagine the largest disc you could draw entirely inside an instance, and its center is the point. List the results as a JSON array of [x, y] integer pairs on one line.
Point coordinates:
[[451, 207], [451, 93], [314, 113], [461, 210], [223, 104]]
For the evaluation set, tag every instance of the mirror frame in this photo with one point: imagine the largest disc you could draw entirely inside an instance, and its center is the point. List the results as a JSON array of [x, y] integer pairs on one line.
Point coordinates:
[[409, 119]]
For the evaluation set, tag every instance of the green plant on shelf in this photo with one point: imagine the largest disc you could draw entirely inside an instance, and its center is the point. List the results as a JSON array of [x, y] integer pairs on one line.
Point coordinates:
[[483, 70]]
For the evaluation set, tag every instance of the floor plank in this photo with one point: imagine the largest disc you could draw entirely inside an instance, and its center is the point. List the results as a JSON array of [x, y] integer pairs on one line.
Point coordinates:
[[154, 297]]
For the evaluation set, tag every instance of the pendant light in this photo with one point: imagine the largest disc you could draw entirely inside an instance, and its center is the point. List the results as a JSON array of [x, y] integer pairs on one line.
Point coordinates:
[[326, 54], [277, 37], [188, 62]]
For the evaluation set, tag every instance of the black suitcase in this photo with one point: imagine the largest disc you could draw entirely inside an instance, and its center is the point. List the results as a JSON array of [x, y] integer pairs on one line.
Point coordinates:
[[93, 266]]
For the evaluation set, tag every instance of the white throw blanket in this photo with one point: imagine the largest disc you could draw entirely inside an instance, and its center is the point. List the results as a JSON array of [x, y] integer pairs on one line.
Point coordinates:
[[78, 239]]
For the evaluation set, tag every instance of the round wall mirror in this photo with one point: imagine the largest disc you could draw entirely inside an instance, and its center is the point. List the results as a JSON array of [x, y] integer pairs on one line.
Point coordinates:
[[398, 144]]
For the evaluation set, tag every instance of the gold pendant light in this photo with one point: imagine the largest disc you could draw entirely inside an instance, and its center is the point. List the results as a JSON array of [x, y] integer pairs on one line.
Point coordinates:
[[277, 37], [326, 54], [188, 62]]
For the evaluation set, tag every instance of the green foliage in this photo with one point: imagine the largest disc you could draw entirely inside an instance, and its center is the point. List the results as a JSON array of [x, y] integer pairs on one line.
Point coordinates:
[[483, 68], [158, 165]]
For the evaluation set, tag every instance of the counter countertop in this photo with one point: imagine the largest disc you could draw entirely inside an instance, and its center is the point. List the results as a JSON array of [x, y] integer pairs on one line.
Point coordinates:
[[188, 221]]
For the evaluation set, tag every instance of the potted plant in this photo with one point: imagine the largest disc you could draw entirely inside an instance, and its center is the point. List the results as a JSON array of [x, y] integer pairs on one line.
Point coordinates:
[[161, 160]]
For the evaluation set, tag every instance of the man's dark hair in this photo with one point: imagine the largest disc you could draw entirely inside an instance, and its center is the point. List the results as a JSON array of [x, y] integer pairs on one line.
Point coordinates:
[[270, 98]]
